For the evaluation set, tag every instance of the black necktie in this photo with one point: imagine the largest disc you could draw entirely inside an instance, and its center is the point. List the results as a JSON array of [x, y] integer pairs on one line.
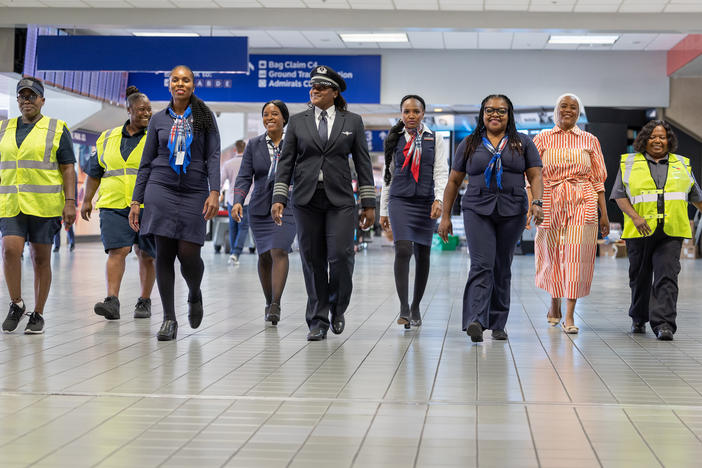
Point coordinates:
[[323, 127]]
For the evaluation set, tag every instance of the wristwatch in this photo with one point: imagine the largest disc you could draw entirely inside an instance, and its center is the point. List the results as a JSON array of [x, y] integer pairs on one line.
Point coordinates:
[[537, 202]]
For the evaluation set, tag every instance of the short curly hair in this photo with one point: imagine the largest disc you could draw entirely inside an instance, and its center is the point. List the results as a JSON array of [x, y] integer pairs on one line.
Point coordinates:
[[645, 133]]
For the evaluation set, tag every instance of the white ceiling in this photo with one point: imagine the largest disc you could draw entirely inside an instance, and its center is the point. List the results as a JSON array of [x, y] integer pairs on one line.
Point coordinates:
[[585, 6]]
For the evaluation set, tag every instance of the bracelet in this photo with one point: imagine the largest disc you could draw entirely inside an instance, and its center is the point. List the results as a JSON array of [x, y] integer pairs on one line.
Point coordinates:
[[134, 203], [70, 199]]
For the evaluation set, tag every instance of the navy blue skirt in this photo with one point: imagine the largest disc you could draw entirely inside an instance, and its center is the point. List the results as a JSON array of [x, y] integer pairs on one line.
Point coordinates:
[[174, 214], [410, 219], [268, 235]]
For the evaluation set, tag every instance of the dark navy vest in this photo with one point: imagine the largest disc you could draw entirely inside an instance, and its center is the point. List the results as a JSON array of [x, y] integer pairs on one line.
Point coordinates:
[[403, 183]]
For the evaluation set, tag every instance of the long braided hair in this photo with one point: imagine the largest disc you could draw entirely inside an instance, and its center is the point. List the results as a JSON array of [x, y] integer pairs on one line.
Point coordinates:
[[475, 139], [203, 119], [393, 137]]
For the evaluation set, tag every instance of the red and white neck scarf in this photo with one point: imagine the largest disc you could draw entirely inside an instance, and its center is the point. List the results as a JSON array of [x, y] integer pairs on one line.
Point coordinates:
[[413, 151]]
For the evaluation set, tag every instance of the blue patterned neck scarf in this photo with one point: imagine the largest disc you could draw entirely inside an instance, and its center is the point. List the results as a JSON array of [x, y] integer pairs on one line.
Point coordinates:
[[496, 161], [179, 140]]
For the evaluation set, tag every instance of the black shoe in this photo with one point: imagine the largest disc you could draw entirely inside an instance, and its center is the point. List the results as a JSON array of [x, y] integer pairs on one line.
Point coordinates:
[[638, 327], [72, 247], [168, 331], [415, 317], [317, 335], [499, 335], [665, 334], [218, 248], [56, 249], [273, 313], [338, 322], [475, 331], [142, 308], [13, 317], [404, 318], [252, 250], [35, 326], [195, 311], [109, 308]]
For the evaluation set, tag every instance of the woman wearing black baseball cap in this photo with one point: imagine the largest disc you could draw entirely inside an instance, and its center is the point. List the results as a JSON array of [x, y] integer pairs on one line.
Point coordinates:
[[316, 148]]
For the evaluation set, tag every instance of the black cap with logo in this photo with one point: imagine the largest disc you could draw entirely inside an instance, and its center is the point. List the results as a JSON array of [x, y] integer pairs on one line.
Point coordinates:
[[32, 84], [327, 76]]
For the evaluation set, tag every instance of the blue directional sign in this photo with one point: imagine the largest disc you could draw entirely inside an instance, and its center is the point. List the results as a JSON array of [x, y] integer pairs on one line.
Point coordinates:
[[284, 77]]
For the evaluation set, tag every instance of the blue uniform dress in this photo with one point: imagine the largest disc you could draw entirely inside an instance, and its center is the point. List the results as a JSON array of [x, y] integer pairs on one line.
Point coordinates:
[[494, 221], [256, 168], [173, 202], [410, 202]]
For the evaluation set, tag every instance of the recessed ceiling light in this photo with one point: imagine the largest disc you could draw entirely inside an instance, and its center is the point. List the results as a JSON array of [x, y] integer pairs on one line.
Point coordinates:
[[164, 34], [374, 37], [438, 109], [608, 39]]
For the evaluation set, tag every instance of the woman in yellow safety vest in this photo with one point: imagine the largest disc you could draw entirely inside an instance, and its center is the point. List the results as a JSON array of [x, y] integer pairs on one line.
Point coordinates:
[[653, 188]]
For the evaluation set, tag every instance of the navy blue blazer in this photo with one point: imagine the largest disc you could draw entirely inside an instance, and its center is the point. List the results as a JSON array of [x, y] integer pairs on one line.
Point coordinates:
[[255, 164]]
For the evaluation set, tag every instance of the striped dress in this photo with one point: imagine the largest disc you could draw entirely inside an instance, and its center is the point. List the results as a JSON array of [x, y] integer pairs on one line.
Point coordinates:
[[573, 173]]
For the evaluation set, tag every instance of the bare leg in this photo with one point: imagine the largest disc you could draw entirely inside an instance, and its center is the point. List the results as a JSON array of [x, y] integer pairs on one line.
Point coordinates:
[[147, 272], [12, 247], [570, 312], [555, 310], [116, 259], [41, 259]]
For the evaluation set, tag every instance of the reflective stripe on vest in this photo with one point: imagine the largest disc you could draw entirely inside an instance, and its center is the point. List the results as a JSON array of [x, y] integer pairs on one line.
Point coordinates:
[[644, 195], [30, 179], [119, 176]]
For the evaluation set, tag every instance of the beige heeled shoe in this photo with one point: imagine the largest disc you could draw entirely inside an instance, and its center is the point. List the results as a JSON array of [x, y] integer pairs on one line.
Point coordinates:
[[570, 329]]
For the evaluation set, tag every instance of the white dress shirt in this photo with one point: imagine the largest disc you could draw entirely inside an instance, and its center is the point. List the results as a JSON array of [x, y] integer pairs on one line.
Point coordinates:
[[440, 171]]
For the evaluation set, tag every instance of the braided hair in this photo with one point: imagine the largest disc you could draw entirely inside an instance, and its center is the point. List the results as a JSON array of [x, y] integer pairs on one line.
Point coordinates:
[[475, 139], [393, 137], [203, 118], [133, 95]]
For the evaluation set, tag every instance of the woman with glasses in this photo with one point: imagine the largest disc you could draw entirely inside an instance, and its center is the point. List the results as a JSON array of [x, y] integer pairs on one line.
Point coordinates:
[[272, 241], [316, 152], [413, 190], [495, 157], [574, 174]]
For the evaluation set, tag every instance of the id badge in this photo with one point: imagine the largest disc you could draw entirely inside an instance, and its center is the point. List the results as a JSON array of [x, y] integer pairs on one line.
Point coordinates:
[[180, 158]]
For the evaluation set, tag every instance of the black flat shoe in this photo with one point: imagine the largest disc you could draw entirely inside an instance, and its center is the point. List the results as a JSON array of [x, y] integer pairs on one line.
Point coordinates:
[[338, 323], [404, 318], [195, 312], [475, 331], [499, 335], [638, 327], [274, 313], [415, 317], [317, 335], [168, 331], [664, 334]]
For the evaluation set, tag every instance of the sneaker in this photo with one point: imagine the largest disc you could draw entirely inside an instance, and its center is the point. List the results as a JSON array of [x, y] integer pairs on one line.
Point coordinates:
[[35, 326], [143, 308], [234, 258], [13, 317], [109, 308]]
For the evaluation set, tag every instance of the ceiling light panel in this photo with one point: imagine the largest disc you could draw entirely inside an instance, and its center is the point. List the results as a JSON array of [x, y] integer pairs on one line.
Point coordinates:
[[461, 40]]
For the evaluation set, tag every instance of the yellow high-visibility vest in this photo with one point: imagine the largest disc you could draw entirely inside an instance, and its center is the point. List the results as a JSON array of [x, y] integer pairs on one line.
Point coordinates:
[[117, 185], [643, 195], [30, 179]]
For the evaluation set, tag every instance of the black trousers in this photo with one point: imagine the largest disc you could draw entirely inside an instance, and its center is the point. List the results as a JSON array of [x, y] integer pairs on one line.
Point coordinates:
[[654, 265], [491, 243], [325, 236]]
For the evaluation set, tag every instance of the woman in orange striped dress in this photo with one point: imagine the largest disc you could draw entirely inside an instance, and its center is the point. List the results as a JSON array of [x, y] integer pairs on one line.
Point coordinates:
[[574, 173]]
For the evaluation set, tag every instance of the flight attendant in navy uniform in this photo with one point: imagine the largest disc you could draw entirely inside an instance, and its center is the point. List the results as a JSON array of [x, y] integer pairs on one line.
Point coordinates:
[[416, 170], [273, 242], [316, 149]]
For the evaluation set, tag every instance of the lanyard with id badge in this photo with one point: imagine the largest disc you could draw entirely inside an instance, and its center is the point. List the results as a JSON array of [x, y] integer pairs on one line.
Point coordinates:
[[179, 140]]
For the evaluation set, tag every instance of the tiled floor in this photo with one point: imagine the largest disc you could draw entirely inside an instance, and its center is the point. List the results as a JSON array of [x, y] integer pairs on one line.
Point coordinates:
[[236, 393]]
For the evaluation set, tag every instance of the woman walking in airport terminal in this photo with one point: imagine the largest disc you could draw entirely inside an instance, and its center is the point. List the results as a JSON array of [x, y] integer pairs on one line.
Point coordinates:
[[416, 171], [653, 188], [113, 169], [316, 151], [178, 183], [273, 242], [574, 173], [495, 209]]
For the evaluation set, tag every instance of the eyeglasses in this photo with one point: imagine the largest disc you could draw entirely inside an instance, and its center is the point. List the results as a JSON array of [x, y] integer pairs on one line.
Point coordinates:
[[496, 110], [27, 97]]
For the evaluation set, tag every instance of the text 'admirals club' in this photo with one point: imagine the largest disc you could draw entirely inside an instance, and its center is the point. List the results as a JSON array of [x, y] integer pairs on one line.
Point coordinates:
[[288, 73]]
